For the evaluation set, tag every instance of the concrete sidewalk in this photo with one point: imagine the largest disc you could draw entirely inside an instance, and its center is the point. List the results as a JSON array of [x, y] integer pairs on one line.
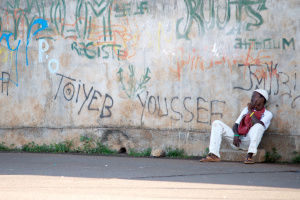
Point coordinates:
[[65, 176]]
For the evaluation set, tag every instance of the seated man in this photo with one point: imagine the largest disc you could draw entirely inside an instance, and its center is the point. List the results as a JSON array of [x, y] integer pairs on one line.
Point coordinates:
[[255, 116]]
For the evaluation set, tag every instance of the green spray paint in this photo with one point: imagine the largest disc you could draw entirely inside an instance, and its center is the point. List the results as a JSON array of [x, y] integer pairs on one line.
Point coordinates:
[[196, 15], [133, 87]]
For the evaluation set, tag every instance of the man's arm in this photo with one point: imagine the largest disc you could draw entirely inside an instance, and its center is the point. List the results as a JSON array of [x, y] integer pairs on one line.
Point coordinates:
[[255, 120], [236, 139], [235, 128]]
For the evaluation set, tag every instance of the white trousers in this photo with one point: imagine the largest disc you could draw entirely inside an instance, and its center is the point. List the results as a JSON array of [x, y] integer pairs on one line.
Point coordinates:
[[220, 130]]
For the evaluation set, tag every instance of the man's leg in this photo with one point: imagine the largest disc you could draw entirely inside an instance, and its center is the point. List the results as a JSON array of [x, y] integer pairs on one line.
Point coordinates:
[[219, 130], [252, 140]]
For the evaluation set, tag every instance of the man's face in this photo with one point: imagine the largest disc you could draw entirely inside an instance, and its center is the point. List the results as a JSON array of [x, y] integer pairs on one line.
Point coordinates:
[[257, 100]]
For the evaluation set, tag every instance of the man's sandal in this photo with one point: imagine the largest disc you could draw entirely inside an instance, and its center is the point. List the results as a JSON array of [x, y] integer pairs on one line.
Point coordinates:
[[210, 159], [248, 161]]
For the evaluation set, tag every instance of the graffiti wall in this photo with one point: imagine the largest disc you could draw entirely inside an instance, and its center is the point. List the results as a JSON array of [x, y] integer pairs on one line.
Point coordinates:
[[147, 65]]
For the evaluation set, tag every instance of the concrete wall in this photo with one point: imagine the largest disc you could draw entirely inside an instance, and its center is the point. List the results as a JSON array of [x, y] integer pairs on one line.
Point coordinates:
[[146, 73]]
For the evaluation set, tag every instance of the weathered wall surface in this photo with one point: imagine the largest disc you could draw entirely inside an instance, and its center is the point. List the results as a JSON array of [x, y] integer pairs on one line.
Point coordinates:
[[146, 73]]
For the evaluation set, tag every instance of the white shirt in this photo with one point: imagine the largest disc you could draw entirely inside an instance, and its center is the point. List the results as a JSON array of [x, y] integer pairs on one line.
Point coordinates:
[[266, 117]]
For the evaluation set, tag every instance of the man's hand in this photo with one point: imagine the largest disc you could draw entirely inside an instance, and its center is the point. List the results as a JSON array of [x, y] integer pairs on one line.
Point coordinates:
[[250, 107], [236, 141]]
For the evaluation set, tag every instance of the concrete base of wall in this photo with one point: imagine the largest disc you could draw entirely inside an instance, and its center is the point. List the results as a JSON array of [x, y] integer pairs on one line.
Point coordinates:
[[116, 138], [194, 143], [239, 156]]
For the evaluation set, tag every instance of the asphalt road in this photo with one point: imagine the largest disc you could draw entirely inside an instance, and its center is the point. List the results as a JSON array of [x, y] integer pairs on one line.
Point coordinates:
[[65, 176]]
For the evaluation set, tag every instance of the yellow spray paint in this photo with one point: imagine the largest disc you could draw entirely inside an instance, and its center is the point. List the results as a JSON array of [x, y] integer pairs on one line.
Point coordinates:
[[4, 51], [160, 29]]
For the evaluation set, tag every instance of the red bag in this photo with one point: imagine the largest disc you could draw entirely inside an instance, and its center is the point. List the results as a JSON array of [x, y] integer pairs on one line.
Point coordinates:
[[246, 122]]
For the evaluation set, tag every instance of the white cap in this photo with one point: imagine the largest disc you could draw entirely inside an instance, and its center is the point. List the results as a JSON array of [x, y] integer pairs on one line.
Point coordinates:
[[263, 92]]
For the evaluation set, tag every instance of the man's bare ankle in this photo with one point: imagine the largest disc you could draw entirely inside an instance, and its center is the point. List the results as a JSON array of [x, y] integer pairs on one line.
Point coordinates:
[[213, 155], [249, 155]]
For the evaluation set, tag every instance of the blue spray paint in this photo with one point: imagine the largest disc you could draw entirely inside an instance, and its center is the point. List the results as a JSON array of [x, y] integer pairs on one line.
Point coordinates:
[[44, 25], [7, 36]]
